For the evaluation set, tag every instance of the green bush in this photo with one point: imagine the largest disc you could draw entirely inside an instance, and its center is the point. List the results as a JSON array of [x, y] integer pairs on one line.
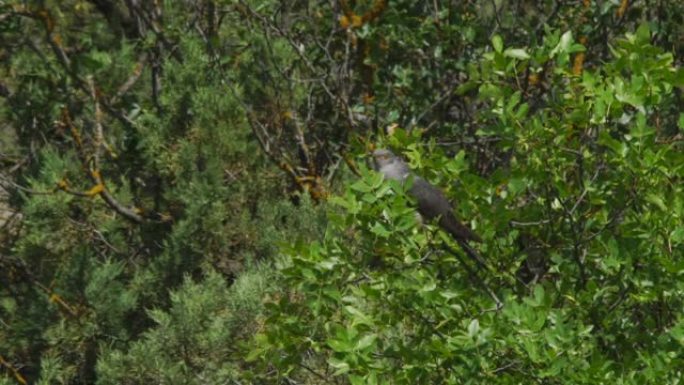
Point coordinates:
[[592, 191], [193, 341], [183, 147]]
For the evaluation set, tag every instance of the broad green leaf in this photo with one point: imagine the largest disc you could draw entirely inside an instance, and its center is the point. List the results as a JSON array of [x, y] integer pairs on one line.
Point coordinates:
[[677, 235], [366, 341], [497, 43], [656, 200], [473, 327], [516, 53], [340, 366]]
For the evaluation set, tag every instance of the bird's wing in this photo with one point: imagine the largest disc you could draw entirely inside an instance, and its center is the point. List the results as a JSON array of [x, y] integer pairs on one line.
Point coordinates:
[[432, 204]]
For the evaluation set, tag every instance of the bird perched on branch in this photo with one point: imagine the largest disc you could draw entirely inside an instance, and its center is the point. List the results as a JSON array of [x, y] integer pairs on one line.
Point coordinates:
[[433, 204], [431, 201]]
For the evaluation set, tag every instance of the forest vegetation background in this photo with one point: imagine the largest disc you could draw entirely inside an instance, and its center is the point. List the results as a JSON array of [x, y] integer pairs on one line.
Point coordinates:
[[185, 198]]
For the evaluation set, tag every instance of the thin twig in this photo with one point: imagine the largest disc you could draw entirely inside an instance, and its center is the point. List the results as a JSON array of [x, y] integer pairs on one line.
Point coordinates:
[[473, 277]]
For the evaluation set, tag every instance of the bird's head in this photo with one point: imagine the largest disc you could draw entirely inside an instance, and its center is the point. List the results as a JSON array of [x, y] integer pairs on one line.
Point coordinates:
[[382, 157]]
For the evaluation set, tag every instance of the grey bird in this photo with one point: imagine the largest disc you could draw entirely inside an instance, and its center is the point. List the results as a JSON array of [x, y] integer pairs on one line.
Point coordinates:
[[431, 201], [433, 204]]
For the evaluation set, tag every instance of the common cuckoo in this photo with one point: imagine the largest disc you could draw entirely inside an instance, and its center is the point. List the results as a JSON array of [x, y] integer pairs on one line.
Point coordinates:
[[431, 201]]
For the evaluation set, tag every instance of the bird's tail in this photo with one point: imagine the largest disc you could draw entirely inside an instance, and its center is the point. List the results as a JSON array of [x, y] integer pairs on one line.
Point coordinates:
[[459, 231], [474, 255]]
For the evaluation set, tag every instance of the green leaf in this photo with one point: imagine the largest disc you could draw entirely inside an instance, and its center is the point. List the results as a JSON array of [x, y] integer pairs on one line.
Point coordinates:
[[358, 316], [428, 287], [457, 165], [366, 341], [677, 332], [516, 186], [563, 45], [340, 346], [467, 86], [677, 235], [361, 186], [641, 128], [537, 299], [643, 33], [380, 230], [473, 327], [448, 294], [497, 43], [340, 366], [517, 53], [656, 200]]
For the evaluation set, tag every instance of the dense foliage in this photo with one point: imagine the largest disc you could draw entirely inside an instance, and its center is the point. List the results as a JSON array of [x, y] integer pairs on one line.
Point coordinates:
[[184, 196], [591, 193]]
